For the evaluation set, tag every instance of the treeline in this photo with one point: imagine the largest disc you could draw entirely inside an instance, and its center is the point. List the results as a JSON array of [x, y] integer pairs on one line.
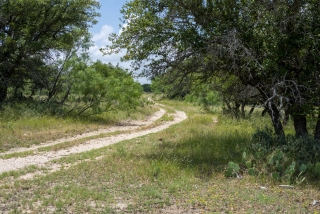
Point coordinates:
[[44, 57]]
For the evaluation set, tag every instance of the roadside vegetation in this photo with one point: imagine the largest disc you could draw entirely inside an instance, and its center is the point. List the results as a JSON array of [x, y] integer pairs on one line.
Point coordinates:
[[27, 124], [245, 72], [181, 169], [242, 55]]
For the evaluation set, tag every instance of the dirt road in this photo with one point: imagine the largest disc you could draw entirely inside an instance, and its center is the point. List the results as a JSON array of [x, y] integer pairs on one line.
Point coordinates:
[[44, 158]]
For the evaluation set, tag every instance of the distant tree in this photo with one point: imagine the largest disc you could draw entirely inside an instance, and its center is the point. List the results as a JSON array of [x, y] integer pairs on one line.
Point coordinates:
[[171, 85], [146, 87]]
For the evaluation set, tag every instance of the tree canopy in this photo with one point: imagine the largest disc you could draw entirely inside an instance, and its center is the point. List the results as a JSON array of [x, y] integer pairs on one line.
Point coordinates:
[[103, 87], [44, 57], [271, 46], [33, 33]]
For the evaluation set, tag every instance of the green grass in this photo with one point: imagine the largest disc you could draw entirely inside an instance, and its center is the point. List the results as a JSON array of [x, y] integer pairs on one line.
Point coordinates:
[[17, 154], [26, 129], [178, 170]]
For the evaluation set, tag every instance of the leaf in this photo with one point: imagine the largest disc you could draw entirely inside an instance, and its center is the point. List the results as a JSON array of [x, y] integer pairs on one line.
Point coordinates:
[[317, 169], [280, 167], [229, 173], [248, 164], [244, 155], [252, 172], [236, 167], [230, 164], [303, 168], [310, 166], [276, 175]]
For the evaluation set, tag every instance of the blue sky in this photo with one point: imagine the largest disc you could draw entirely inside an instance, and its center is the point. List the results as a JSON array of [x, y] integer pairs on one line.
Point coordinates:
[[110, 14], [108, 23]]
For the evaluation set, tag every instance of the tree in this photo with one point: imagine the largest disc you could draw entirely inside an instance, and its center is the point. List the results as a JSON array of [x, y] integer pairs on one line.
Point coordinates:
[[102, 87], [146, 88], [271, 46], [172, 85], [35, 32]]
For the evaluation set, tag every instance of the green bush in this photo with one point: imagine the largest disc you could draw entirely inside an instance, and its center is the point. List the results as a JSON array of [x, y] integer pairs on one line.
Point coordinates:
[[285, 158], [317, 170], [264, 141], [302, 150]]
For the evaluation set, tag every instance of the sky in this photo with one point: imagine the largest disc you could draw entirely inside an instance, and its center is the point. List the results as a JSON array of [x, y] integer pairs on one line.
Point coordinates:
[[108, 23]]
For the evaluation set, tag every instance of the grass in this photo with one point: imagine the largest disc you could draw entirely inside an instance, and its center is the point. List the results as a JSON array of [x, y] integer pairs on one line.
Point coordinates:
[[178, 170], [26, 129]]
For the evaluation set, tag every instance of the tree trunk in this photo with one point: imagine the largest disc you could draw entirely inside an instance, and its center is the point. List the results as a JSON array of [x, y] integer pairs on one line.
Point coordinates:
[[300, 125], [243, 113], [66, 95], [276, 120], [286, 117], [3, 91], [317, 130], [236, 110], [263, 113], [252, 109]]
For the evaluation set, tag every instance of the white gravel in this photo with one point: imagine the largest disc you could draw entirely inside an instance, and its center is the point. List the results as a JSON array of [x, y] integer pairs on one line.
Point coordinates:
[[42, 158]]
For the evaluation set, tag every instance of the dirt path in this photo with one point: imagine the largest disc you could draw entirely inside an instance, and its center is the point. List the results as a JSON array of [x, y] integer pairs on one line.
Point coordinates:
[[45, 157], [125, 126]]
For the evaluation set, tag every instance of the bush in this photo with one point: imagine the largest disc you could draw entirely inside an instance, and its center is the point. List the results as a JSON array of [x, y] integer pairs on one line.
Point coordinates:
[[303, 150], [263, 142], [285, 158]]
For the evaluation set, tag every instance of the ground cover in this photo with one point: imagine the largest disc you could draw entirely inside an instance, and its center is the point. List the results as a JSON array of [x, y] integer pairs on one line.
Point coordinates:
[[177, 170]]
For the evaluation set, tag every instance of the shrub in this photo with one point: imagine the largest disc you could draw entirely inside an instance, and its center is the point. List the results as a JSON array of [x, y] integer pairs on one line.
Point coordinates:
[[284, 158]]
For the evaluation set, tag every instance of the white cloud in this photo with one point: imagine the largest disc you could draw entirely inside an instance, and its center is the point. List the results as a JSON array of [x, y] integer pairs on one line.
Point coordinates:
[[102, 37], [101, 41], [123, 27]]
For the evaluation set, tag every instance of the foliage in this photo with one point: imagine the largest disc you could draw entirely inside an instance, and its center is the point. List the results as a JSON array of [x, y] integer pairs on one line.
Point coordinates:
[[203, 95], [317, 169], [284, 158], [146, 87], [302, 150], [14, 109], [34, 33], [269, 47], [189, 88], [44, 57], [173, 88], [232, 170], [103, 87]]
